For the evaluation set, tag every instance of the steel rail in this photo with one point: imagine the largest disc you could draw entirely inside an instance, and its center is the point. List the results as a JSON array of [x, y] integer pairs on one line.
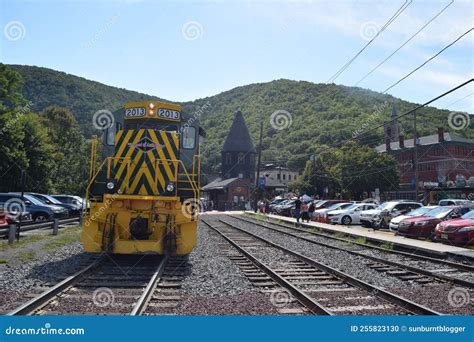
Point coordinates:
[[140, 306], [457, 281], [44, 298], [460, 266], [303, 298], [409, 305]]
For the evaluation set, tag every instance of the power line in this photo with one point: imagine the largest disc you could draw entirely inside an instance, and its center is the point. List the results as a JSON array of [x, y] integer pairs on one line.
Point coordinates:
[[387, 24], [431, 58], [463, 98], [398, 117], [406, 42]]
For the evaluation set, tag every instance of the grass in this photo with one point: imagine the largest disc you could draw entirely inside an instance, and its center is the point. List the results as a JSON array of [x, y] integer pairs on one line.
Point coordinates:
[[23, 242], [361, 239], [28, 248], [386, 245]]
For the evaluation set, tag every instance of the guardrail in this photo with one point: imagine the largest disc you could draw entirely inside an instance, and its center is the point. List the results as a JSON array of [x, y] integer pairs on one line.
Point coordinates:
[[12, 229]]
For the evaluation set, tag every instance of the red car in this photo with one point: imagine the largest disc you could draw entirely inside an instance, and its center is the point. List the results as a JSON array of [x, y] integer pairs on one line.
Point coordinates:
[[3, 220], [424, 226], [459, 231]]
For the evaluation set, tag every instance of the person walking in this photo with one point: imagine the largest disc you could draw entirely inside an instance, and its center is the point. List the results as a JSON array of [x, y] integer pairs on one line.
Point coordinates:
[[297, 211], [311, 210], [304, 212]]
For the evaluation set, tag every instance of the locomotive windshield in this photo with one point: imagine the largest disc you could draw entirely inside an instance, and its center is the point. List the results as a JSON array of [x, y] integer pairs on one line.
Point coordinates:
[[151, 124]]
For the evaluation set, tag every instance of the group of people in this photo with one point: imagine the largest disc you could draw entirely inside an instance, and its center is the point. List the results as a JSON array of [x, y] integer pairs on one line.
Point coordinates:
[[304, 210]]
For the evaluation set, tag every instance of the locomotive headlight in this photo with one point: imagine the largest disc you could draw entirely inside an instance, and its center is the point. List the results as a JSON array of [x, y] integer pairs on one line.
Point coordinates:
[[170, 187], [110, 185], [151, 105]]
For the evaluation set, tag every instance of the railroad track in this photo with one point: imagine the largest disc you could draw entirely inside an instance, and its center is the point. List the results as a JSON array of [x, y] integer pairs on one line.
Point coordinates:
[[118, 284], [321, 289], [404, 266]]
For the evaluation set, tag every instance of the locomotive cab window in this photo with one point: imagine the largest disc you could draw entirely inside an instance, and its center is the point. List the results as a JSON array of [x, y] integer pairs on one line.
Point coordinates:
[[189, 137], [110, 135]]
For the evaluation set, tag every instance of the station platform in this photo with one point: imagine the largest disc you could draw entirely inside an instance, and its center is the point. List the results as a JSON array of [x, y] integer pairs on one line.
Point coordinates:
[[423, 247]]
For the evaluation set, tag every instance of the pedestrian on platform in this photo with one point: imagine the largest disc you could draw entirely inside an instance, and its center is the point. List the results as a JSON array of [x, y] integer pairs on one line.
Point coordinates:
[[304, 212], [311, 210], [297, 211]]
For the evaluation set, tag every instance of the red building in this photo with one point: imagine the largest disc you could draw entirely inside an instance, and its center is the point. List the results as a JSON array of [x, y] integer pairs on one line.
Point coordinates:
[[444, 160]]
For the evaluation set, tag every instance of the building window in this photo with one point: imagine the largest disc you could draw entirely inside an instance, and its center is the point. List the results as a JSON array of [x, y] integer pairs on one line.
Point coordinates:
[[241, 175], [278, 176], [241, 158], [284, 176], [228, 158]]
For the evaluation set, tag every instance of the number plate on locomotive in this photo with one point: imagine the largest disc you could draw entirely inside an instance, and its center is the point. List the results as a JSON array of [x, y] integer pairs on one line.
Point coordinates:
[[169, 114], [135, 112]]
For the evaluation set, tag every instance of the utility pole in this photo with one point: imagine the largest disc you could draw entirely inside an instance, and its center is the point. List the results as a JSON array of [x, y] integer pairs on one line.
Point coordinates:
[[415, 146], [259, 161]]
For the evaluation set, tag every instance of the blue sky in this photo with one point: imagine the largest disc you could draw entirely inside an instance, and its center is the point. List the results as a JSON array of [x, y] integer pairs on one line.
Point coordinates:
[[184, 50]]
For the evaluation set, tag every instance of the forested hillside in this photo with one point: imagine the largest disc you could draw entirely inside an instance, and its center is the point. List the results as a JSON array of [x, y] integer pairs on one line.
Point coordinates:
[[319, 113]]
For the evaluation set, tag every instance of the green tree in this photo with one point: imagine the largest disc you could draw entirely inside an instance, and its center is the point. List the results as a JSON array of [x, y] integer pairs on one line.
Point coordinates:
[[70, 155]]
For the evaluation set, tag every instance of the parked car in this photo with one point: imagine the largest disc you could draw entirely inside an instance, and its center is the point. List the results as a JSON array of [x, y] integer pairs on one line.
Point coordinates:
[[320, 215], [458, 231], [450, 201], [323, 204], [383, 218], [386, 210], [74, 210], [284, 208], [350, 214], [414, 213], [424, 226], [71, 199], [275, 202], [39, 211]]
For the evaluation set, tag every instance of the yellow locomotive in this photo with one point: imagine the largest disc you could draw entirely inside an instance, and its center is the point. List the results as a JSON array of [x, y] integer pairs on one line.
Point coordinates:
[[144, 194]]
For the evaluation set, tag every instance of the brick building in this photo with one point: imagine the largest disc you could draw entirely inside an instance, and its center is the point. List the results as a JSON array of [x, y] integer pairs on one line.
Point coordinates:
[[444, 160]]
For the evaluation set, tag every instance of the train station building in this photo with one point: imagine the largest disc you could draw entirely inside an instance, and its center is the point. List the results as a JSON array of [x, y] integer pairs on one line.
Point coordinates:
[[234, 186]]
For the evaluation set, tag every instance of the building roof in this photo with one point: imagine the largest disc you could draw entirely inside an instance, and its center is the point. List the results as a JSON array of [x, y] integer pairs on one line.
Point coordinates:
[[426, 140], [238, 139], [218, 183]]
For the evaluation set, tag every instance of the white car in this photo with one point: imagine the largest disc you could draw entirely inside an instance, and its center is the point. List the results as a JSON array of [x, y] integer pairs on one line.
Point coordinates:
[[414, 213], [350, 214], [320, 214]]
